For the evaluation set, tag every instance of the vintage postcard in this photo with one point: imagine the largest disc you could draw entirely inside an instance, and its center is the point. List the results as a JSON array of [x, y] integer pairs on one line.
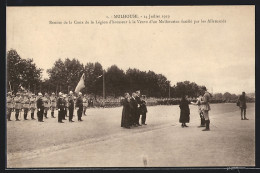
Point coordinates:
[[130, 86]]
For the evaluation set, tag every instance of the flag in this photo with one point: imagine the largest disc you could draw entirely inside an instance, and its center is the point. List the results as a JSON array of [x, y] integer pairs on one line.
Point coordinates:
[[80, 84]]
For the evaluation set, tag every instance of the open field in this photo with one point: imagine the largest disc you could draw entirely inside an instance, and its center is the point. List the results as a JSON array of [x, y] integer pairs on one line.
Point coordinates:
[[99, 141]]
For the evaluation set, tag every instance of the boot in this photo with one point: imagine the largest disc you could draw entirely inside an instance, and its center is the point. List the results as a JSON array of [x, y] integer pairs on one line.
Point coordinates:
[[25, 116], [32, 116], [45, 115], [202, 122], [207, 125], [16, 117], [52, 115]]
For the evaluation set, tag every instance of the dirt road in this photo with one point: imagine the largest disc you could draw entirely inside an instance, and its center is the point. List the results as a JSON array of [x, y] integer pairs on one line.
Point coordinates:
[[99, 141]]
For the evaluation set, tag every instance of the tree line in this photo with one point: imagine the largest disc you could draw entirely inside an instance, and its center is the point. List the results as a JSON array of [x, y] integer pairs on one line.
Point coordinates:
[[64, 76]]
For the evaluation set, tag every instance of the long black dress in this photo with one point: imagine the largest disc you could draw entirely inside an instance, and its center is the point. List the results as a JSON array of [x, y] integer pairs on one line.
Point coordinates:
[[125, 121], [185, 111]]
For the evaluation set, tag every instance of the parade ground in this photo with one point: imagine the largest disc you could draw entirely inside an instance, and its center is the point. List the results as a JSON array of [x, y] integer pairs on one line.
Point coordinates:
[[99, 141]]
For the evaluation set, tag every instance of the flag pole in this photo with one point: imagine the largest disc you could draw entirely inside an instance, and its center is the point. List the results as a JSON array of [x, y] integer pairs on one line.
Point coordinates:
[[103, 84]]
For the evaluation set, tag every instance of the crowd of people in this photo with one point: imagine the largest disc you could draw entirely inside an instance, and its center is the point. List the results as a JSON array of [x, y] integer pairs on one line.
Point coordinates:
[[64, 103], [133, 107]]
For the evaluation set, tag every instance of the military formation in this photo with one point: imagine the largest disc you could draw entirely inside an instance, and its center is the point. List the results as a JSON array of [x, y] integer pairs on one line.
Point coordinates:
[[23, 103]]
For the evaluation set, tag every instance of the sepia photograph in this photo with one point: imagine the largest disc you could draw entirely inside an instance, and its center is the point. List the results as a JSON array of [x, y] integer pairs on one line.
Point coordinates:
[[130, 86]]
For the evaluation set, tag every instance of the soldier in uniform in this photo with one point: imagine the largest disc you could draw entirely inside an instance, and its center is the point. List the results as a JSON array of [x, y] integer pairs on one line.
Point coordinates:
[[71, 106], [66, 100], [32, 105], [40, 108], [61, 108], [79, 106], [205, 107], [46, 100], [17, 106], [9, 104], [26, 105], [85, 104], [53, 101]]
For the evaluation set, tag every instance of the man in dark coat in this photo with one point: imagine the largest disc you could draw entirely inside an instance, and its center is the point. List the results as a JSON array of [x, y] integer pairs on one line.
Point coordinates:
[[40, 108], [71, 106], [61, 108], [143, 109], [133, 109], [242, 105], [126, 112], [79, 106], [139, 102]]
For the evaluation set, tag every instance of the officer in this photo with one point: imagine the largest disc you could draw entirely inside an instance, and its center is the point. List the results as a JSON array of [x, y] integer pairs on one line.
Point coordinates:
[[205, 107], [46, 102], [53, 101], [17, 106], [85, 104], [9, 104], [71, 106], [26, 105], [32, 105], [61, 108], [40, 108], [66, 100], [79, 106]]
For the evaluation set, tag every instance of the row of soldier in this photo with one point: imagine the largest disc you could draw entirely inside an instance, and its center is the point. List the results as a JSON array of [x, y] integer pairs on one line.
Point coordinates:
[[29, 102]]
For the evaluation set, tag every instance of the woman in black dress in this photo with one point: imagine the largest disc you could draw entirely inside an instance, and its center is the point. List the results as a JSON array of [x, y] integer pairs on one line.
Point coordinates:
[[125, 121], [185, 111]]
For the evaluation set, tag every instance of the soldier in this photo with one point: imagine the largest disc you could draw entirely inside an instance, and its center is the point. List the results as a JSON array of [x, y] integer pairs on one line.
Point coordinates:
[[46, 102], [32, 106], [71, 106], [53, 101], [143, 109], [79, 106], [205, 107], [26, 105], [40, 108], [17, 106], [61, 108], [9, 104], [66, 100], [85, 104], [198, 102]]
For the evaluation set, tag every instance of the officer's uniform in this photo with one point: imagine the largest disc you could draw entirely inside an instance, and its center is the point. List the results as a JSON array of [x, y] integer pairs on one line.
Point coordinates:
[[85, 104], [32, 106], [71, 108], [40, 109], [79, 104], [53, 101], [205, 107], [17, 106], [9, 105], [26, 106], [46, 102], [66, 100], [61, 108]]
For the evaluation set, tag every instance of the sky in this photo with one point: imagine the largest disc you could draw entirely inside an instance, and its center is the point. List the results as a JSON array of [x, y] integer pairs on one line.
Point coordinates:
[[219, 56]]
